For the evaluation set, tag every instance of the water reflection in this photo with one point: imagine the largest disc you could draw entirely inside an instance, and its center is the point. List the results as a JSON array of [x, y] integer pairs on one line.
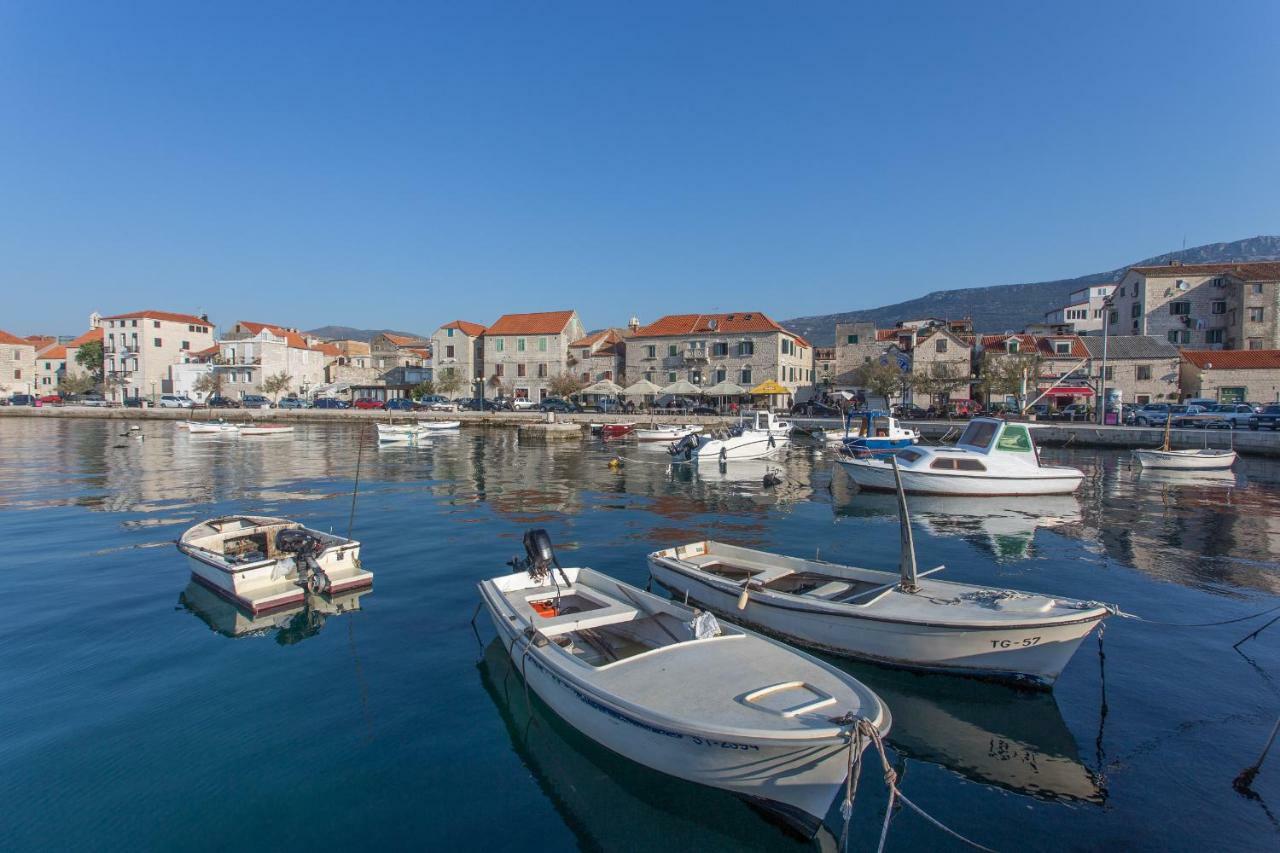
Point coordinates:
[[288, 626]]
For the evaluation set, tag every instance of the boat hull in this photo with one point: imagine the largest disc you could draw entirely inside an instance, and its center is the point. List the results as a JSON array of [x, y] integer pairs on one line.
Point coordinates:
[[265, 586], [1025, 653], [1186, 460], [877, 446], [750, 446], [879, 478]]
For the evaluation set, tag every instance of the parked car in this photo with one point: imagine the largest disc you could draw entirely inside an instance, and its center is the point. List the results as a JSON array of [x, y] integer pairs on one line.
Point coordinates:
[[476, 404], [424, 402], [400, 404], [1268, 418], [606, 404], [133, 402], [442, 405], [524, 404], [256, 401], [1184, 416], [217, 401], [22, 400], [175, 401], [292, 403], [369, 403], [815, 409], [49, 400], [1230, 416], [330, 403], [1073, 412], [558, 404], [704, 409], [1151, 414]]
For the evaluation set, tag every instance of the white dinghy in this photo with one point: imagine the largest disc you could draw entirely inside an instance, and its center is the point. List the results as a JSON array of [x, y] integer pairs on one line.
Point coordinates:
[[263, 563], [439, 426], [1204, 459], [265, 429], [674, 432], [670, 688], [992, 457], [212, 427], [402, 432], [891, 618], [758, 439]]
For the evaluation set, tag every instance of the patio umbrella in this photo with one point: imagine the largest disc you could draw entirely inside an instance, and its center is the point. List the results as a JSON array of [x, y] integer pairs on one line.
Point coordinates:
[[604, 386], [724, 388], [640, 389], [768, 388], [684, 386]]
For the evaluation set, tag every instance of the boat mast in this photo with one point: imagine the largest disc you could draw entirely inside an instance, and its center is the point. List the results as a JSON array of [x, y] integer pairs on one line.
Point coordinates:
[[1168, 424], [907, 556]]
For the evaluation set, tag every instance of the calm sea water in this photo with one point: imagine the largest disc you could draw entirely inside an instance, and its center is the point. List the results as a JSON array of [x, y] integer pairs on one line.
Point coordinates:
[[137, 711]]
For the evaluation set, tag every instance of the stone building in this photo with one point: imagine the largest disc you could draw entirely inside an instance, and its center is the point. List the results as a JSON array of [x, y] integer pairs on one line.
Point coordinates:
[[1201, 306], [858, 344], [745, 348], [523, 352], [602, 355], [253, 352], [939, 351], [139, 348], [74, 368], [17, 365], [458, 347], [1231, 376], [51, 368], [1143, 368], [1083, 312], [390, 350], [824, 367]]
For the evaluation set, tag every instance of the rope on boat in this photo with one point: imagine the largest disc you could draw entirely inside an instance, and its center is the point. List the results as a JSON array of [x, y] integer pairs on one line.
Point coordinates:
[[1273, 609], [864, 728]]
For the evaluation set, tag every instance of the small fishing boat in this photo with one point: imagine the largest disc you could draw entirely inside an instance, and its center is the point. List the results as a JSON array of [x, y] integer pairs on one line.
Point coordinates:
[[611, 432], [674, 432], [439, 426], [262, 563], [992, 457], [265, 429], [402, 432], [763, 437], [670, 688], [876, 433], [899, 619], [206, 427], [1203, 459]]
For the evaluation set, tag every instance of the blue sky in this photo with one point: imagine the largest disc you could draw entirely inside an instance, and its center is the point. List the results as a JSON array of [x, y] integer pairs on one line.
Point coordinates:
[[404, 164]]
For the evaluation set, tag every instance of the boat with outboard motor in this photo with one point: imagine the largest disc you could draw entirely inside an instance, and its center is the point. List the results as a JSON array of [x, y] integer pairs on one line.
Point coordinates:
[[898, 619], [658, 432], [761, 437], [992, 457], [669, 687], [874, 433], [263, 563]]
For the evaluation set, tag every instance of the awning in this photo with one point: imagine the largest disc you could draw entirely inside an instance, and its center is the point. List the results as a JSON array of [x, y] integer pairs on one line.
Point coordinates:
[[1070, 391], [604, 386], [769, 386]]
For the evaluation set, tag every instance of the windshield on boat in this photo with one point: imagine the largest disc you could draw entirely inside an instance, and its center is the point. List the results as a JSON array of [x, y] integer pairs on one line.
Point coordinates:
[[1015, 438], [979, 434]]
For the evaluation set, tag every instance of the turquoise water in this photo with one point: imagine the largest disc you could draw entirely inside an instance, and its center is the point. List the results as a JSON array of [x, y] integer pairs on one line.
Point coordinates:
[[138, 712]]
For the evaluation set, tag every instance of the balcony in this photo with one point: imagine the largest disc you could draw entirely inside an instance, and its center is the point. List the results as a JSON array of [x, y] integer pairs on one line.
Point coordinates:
[[696, 355]]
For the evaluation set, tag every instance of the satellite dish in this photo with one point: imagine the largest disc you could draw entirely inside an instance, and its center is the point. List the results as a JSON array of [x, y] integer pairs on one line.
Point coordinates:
[[712, 323]]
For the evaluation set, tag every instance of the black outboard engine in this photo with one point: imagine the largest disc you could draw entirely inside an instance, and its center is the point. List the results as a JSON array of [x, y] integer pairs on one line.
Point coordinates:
[[540, 560], [684, 447], [305, 547]]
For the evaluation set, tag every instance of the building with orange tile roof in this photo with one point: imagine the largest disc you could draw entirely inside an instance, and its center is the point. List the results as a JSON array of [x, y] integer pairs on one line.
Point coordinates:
[[1231, 376], [390, 350], [524, 352], [457, 357], [73, 366], [252, 352], [51, 368], [600, 355], [140, 347], [742, 347], [17, 365]]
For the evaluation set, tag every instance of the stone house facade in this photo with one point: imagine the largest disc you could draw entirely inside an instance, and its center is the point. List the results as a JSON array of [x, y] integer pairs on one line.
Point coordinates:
[[858, 344], [523, 352], [1201, 306], [1231, 376], [459, 347], [598, 356], [51, 368], [1143, 368], [139, 348], [1083, 312], [253, 352], [17, 365], [390, 350], [73, 347], [746, 348], [938, 350]]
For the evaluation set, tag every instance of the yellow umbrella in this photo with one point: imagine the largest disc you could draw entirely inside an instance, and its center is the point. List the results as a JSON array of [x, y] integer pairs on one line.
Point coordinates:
[[769, 387]]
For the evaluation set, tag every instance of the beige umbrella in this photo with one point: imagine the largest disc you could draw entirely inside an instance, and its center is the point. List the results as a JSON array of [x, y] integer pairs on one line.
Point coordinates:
[[683, 386], [724, 388], [604, 386], [640, 389]]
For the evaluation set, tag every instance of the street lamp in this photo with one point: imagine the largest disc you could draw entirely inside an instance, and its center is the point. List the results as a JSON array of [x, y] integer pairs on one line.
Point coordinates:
[[1102, 377]]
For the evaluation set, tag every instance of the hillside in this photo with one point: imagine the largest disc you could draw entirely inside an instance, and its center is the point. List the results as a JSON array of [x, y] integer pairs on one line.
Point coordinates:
[[1009, 307], [347, 333]]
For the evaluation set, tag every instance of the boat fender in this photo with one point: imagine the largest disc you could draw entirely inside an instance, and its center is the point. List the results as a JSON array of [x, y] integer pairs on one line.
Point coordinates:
[[724, 455], [745, 595], [772, 479]]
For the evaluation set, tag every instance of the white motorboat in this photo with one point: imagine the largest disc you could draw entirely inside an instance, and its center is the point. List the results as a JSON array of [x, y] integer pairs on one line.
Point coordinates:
[[674, 432], [992, 457], [670, 688], [763, 437], [892, 618], [262, 563], [265, 429], [766, 421], [439, 426], [1203, 459], [402, 432], [210, 427]]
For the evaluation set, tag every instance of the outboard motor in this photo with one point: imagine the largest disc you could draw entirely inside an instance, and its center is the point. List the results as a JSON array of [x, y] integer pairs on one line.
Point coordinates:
[[684, 447], [305, 548], [540, 560]]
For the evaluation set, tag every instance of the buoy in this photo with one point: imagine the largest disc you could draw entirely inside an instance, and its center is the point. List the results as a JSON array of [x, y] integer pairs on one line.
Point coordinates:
[[615, 463]]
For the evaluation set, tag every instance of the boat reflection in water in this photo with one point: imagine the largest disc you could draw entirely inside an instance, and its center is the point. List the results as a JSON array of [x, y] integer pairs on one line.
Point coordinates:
[[289, 625], [989, 733], [1156, 477], [609, 802], [1006, 527]]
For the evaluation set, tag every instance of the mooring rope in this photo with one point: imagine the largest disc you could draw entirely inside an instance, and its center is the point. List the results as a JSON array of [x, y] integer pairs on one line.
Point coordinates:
[[1121, 613]]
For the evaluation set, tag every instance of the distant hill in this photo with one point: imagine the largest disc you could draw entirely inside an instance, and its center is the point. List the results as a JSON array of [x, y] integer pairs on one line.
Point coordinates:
[[347, 333], [1009, 307]]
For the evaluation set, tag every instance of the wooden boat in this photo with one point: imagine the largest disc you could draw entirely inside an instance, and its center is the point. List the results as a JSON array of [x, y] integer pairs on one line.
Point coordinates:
[[763, 437], [670, 688], [265, 429], [262, 563], [439, 426], [616, 431], [674, 432], [402, 432], [892, 618], [992, 457], [211, 427], [1204, 459]]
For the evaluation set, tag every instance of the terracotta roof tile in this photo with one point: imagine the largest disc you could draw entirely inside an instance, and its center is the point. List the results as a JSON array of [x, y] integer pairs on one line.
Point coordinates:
[[328, 349], [1250, 271], [607, 335], [540, 323], [475, 330], [1234, 359], [738, 322], [160, 315], [52, 352], [41, 341], [887, 334], [403, 340], [207, 352], [13, 340], [1046, 346], [998, 341], [91, 335]]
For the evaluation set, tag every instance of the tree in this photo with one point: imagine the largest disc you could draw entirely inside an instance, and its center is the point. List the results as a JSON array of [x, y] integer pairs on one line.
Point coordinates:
[[882, 380], [502, 387], [565, 385], [208, 384], [449, 382], [425, 388], [75, 384], [939, 380], [89, 356], [1004, 373], [276, 385]]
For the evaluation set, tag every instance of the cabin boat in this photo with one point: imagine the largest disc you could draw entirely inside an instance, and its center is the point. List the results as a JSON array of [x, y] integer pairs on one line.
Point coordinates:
[[265, 429], [756, 439], [669, 687], [666, 433], [894, 618], [262, 563], [876, 433], [992, 457], [765, 421]]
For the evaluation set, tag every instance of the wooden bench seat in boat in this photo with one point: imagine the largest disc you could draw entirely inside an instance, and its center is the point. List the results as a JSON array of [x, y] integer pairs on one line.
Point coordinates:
[[767, 575], [600, 609]]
